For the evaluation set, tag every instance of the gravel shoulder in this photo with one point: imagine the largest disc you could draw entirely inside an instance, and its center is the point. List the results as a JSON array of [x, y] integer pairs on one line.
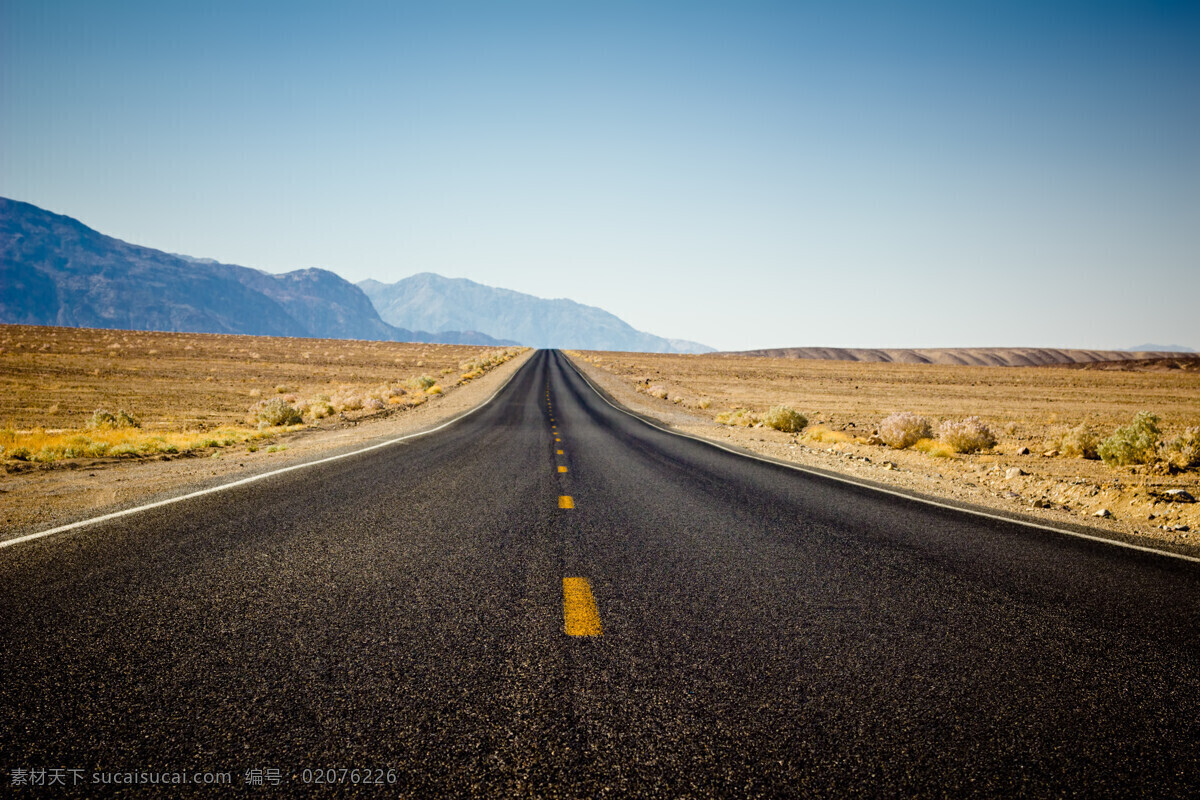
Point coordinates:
[[1052, 491], [49, 495]]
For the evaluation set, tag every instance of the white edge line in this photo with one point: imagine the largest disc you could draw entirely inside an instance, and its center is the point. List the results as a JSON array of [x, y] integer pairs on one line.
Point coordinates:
[[841, 479], [251, 479]]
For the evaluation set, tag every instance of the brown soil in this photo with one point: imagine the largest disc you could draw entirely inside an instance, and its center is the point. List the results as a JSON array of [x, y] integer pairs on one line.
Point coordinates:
[[56, 377], [1026, 407], [163, 378]]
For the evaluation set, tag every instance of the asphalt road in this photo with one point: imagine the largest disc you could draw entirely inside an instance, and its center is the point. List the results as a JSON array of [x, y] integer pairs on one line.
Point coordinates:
[[764, 632]]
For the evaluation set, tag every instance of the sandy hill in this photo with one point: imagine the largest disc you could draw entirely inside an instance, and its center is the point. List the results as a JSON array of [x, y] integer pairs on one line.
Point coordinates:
[[970, 356]]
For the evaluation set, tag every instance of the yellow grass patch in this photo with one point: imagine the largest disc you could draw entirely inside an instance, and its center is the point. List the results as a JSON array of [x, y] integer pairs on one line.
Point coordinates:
[[820, 433], [934, 448], [40, 445]]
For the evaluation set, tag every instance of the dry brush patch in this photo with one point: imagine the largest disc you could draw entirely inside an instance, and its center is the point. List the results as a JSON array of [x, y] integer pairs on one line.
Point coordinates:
[[183, 387]]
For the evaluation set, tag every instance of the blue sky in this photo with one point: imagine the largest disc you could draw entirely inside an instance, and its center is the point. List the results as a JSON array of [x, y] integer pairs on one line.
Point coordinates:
[[746, 174]]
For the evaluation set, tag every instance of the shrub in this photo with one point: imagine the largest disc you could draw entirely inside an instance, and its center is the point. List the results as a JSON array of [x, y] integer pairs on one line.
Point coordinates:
[[782, 418], [435, 389], [1135, 443], [1079, 442], [1183, 451], [423, 382], [274, 412], [102, 420], [904, 429], [968, 436], [657, 391]]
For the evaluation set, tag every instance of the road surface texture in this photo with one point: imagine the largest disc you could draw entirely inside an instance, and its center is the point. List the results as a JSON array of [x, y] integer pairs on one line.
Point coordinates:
[[639, 614]]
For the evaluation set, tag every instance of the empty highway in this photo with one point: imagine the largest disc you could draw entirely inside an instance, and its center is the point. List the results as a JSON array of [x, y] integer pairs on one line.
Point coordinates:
[[551, 598]]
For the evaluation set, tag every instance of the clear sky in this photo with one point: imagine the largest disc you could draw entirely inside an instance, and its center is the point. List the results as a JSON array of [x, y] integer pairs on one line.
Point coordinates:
[[745, 174]]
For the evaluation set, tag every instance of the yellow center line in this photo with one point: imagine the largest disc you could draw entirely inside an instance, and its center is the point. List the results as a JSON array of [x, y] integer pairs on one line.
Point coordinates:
[[559, 452], [562, 469], [580, 615], [566, 501]]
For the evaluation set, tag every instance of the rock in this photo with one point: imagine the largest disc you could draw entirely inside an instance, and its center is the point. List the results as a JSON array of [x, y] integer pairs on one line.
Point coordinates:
[[1181, 528], [1103, 513], [1040, 504], [1178, 496], [1024, 451], [889, 465], [1050, 453], [875, 440], [1014, 472]]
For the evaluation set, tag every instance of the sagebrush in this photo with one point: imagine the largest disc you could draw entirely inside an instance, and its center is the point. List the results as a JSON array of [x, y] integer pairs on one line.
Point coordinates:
[[904, 429], [783, 418], [1136, 443], [969, 435]]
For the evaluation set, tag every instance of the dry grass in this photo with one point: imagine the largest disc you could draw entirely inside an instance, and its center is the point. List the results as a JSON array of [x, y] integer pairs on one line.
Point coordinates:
[[823, 435], [184, 385], [42, 446]]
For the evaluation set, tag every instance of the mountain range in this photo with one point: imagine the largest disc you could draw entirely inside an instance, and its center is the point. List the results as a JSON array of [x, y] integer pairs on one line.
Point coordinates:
[[55, 270], [435, 303]]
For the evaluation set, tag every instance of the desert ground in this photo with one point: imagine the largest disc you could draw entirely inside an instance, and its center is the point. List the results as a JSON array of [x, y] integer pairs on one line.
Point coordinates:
[[193, 395], [1027, 408]]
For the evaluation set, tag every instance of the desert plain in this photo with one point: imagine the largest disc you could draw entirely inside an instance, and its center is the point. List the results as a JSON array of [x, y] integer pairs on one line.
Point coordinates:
[[194, 398]]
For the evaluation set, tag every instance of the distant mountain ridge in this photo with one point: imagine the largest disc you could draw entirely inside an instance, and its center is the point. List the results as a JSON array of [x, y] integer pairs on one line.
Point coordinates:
[[964, 356], [435, 303], [57, 271], [1160, 348]]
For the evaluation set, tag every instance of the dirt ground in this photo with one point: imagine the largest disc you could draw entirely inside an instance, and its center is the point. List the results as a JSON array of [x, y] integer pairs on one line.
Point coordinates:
[[163, 378], [1025, 406], [56, 377]]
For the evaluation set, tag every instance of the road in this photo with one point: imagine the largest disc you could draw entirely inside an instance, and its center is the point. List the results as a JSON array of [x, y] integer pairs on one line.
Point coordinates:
[[739, 629]]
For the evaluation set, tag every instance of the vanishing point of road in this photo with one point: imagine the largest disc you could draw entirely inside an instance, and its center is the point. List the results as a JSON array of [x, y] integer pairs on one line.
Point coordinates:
[[551, 598]]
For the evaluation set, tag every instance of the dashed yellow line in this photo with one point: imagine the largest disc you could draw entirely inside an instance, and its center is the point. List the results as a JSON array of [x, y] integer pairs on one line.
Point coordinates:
[[580, 615], [559, 452], [566, 501], [562, 469]]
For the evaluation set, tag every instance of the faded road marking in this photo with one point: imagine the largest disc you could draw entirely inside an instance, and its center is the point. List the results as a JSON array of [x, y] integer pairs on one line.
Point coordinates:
[[566, 501]]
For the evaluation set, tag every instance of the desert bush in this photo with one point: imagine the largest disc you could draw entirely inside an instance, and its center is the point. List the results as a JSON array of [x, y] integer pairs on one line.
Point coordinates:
[[967, 436], [1078, 442], [435, 389], [1183, 451], [274, 412], [739, 417], [102, 419], [657, 391], [782, 418], [1136, 443], [904, 429], [704, 403], [423, 382]]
